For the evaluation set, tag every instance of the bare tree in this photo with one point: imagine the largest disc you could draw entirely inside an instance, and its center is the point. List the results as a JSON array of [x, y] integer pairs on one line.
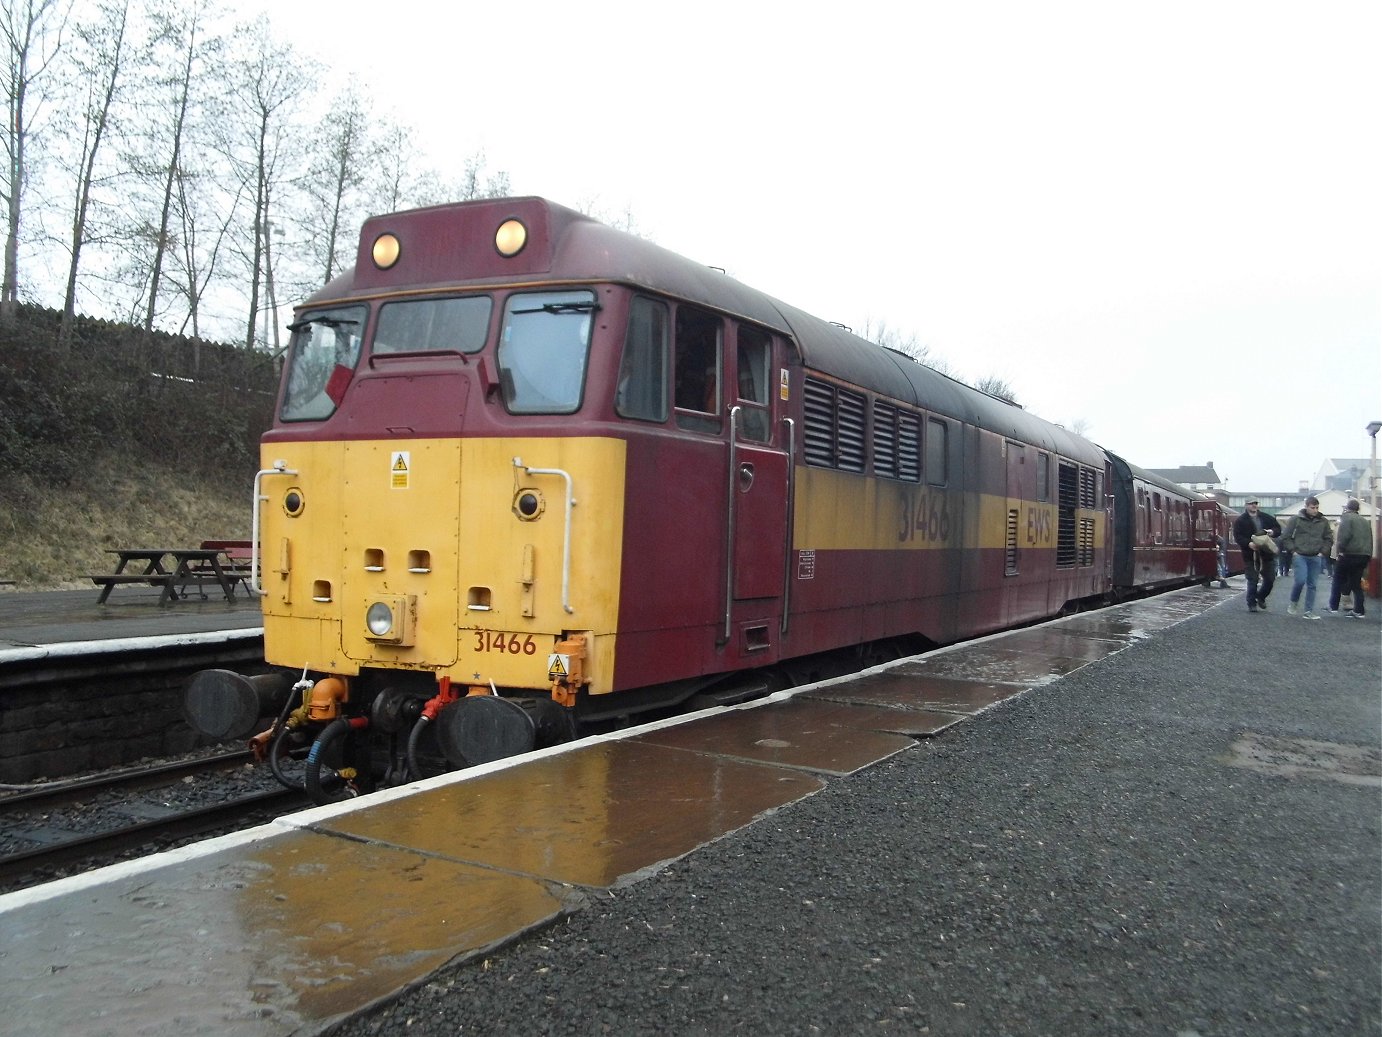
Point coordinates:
[[32, 31], [263, 96], [184, 49], [337, 177], [99, 63], [395, 174], [195, 262], [475, 182], [997, 387], [907, 344]]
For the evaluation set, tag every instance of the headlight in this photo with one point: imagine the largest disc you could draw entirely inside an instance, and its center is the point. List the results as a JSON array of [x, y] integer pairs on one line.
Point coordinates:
[[379, 619], [391, 619]]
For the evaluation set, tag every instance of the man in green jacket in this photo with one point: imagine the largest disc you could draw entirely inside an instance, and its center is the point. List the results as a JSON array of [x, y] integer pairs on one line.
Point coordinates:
[[1309, 538], [1355, 548]]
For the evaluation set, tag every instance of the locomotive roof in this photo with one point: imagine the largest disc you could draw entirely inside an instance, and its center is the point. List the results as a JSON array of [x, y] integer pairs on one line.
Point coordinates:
[[575, 247]]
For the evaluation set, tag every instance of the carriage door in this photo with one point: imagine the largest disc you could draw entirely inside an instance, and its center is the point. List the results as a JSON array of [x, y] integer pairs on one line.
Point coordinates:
[[758, 489]]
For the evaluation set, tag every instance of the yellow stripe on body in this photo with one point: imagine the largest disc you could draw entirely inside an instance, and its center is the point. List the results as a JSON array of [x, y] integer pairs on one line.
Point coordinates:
[[837, 511]]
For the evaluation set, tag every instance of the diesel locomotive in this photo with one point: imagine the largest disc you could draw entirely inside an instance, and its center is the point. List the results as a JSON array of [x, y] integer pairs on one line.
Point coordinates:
[[530, 474]]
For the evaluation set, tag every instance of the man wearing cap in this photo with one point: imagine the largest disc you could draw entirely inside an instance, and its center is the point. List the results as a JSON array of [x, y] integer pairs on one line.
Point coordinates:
[[1259, 560]]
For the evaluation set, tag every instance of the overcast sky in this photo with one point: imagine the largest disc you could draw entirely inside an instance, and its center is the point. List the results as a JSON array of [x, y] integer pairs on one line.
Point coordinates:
[[1163, 220]]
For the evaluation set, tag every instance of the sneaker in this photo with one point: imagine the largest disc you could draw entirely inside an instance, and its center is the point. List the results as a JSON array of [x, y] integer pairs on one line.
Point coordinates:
[[1262, 604], [1310, 615], [1293, 609], [1252, 608], [1353, 615]]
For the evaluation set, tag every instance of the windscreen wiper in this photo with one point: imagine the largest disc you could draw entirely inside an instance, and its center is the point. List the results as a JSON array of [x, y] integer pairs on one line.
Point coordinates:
[[330, 322], [562, 307]]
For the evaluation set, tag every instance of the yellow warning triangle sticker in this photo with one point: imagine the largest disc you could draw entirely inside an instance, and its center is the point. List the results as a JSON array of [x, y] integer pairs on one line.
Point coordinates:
[[400, 463], [556, 667]]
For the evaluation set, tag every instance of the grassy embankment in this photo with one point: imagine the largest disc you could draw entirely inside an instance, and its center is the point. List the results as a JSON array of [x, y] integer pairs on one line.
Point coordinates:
[[51, 537], [118, 437]]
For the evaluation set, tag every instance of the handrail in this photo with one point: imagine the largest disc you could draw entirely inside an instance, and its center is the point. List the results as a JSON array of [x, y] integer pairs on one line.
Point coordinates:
[[731, 514], [566, 536], [279, 468], [791, 489]]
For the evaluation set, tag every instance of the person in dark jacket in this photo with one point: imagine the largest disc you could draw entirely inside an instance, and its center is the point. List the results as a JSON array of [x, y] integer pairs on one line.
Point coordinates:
[[1259, 559], [1309, 537], [1355, 549]]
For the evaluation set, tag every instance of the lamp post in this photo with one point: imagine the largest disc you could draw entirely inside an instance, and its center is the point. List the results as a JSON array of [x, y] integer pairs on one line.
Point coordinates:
[[1374, 566]]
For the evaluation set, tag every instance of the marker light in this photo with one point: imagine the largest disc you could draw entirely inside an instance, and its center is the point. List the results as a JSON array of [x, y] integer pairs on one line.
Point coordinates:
[[386, 251], [528, 505], [510, 238]]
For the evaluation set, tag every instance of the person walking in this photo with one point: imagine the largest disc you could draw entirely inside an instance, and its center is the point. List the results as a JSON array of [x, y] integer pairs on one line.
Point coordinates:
[[1309, 538], [1354, 545], [1254, 532]]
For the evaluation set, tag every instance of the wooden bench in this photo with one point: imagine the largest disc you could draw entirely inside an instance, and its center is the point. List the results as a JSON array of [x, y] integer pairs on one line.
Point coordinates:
[[237, 560], [195, 567]]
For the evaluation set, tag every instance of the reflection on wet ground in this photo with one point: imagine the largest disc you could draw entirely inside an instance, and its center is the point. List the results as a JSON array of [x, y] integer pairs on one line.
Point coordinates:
[[311, 918]]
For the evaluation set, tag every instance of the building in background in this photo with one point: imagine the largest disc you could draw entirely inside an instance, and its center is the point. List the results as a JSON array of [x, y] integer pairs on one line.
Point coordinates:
[[1193, 477], [1347, 474], [1338, 479]]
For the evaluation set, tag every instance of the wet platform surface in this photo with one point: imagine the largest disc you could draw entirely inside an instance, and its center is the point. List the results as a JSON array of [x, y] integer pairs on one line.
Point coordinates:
[[30, 621], [296, 924]]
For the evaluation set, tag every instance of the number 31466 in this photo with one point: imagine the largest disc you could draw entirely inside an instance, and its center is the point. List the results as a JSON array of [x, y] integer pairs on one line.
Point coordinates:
[[508, 644]]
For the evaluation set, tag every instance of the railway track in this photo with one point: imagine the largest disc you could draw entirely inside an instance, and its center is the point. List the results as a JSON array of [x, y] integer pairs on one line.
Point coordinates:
[[56, 830]]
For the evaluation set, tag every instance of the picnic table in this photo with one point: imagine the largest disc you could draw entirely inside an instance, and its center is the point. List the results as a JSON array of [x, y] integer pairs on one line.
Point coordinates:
[[172, 568]]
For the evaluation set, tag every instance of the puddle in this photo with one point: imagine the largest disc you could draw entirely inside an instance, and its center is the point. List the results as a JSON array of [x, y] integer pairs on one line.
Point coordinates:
[[1304, 758]]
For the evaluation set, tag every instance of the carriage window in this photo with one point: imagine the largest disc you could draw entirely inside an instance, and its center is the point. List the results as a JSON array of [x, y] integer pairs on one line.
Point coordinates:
[[321, 359], [937, 452], [542, 351], [642, 391], [754, 354], [433, 326], [697, 370]]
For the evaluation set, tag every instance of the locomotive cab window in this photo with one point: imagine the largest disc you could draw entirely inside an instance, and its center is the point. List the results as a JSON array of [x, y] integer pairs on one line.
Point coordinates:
[[433, 326], [697, 370], [642, 391], [543, 347], [321, 359], [753, 356]]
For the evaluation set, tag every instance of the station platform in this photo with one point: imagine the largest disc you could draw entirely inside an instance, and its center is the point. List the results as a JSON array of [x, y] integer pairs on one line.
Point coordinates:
[[39, 624], [1162, 817]]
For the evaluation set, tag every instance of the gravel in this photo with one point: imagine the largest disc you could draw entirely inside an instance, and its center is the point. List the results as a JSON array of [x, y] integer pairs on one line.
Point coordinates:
[[1090, 858]]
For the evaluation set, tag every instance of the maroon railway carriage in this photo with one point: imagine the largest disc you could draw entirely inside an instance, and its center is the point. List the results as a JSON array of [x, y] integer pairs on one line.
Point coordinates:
[[1155, 545]]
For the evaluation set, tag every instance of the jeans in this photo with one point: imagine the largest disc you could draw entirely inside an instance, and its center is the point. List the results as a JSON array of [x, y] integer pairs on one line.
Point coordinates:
[[1348, 579], [1267, 575], [1306, 569]]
